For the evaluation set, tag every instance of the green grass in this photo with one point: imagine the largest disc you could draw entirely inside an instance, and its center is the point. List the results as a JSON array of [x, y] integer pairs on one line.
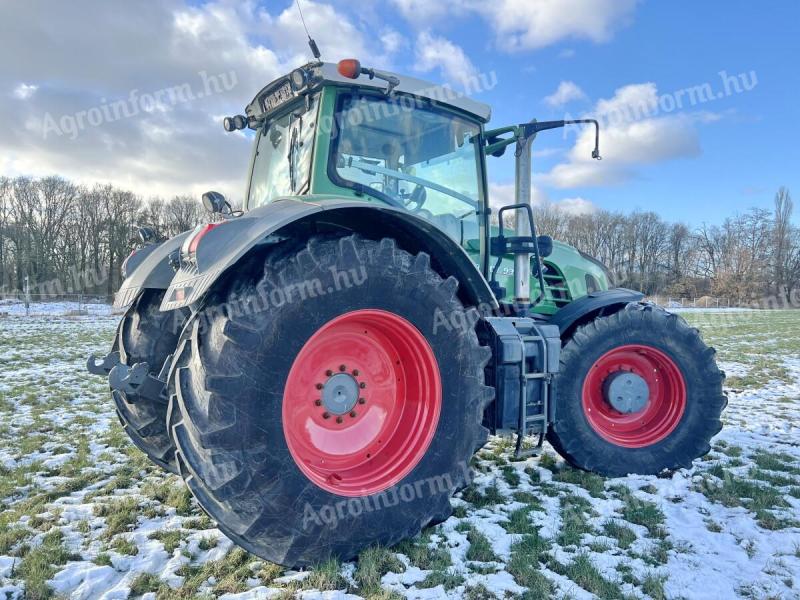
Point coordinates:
[[625, 536], [489, 497], [230, 574], [11, 537], [422, 555], [526, 554], [446, 578], [757, 497], [586, 575], [776, 461], [120, 515], [170, 493], [511, 475], [326, 577], [480, 549], [574, 521], [373, 563], [38, 565], [170, 539], [144, 583], [519, 521], [592, 483], [478, 592], [103, 559], [642, 512], [124, 546], [653, 586]]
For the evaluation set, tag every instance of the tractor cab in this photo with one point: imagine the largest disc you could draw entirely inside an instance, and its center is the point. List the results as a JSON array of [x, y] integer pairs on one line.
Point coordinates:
[[326, 132], [394, 142]]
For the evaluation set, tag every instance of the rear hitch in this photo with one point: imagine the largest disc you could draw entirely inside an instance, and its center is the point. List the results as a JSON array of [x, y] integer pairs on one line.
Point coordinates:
[[104, 367], [137, 382]]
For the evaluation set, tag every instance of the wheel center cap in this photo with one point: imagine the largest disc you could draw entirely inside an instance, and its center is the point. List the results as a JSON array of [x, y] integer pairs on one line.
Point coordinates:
[[627, 392], [340, 393]]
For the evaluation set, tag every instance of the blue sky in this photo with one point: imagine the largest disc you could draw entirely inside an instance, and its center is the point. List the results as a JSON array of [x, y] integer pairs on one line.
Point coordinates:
[[747, 146], [700, 161]]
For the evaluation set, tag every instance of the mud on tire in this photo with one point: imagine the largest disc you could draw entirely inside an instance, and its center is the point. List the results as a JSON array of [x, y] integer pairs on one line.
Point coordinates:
[[571, 433], [227, 390], [145, 334]]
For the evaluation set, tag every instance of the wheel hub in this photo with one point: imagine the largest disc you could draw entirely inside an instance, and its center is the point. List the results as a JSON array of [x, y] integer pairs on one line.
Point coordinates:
[[627, 392], [340, 393], [634, 395]]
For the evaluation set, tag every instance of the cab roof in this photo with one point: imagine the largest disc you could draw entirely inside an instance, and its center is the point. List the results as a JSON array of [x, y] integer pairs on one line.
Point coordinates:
[[320, 74]]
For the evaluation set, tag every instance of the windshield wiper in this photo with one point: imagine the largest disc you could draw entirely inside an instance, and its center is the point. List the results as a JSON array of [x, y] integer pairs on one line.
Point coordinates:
[[291, 157], [376, 170]]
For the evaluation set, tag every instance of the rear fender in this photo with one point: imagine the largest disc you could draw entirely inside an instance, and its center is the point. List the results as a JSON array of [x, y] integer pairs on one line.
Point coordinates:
[[222, 247], [588, 307], [148, 267]]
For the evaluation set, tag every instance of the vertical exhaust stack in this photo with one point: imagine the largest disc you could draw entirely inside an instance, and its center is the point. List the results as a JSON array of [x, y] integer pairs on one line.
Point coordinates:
[[522, 262]]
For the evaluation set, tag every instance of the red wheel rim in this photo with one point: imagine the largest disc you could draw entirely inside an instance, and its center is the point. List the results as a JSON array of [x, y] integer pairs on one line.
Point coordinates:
[[374, 445], [664, 406]]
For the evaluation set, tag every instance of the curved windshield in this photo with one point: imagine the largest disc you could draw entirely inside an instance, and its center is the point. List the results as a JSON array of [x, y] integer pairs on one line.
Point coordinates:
[[411, 155]]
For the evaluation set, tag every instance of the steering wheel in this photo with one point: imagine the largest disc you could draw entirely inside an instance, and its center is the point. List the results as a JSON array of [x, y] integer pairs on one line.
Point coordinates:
[[416, 199]]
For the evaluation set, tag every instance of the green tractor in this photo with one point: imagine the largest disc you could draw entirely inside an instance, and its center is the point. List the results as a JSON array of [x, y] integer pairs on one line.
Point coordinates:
[[321, 366]]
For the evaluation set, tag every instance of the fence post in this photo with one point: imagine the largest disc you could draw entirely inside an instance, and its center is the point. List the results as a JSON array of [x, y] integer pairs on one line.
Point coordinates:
[[27, 297]]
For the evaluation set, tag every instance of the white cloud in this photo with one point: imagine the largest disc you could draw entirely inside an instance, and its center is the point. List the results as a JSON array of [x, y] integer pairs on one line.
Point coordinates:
[[435, 52], [632, 133], [525, 25], [566, 92], [393, 41], [24, 91], [528, 24], [88, 63], [502, 194], [576, 206], [424, 11]]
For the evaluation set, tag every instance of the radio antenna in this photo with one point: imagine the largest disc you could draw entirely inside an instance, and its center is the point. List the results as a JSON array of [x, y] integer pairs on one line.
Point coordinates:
[[311, 43]]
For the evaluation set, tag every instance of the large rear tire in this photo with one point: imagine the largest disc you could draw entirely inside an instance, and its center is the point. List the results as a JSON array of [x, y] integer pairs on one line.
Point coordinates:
[[146, 334], [330, 400], [637, 392]]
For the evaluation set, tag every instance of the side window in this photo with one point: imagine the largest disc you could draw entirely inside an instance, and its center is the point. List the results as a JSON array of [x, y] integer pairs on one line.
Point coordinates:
[[282, 164]]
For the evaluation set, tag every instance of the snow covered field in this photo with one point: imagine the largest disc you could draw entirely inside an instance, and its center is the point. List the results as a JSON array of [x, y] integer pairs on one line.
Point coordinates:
[[83, 514]]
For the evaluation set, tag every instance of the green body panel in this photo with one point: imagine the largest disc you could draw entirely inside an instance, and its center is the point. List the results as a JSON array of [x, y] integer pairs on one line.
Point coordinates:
[[565, 277], [567, 272]]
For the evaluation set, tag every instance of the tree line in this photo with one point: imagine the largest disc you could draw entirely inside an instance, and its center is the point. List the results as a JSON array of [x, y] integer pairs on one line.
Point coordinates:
[[72, 239], [750, 258]]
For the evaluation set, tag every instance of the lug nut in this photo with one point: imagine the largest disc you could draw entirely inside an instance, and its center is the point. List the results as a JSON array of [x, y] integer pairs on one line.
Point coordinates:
[[362, 385], [343, 368], [353, 414], [318, 402], [320, 386], [362, 400], [355, 372], [328, 372], [339, 419], [326, 415]]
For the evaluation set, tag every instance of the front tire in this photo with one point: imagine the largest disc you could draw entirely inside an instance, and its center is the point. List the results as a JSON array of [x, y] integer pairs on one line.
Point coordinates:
[[314, 424], [637, 392]]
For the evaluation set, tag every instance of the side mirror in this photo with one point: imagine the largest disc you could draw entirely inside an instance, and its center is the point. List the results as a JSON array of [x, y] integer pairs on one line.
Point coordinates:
[[545, 243], [214, 202], [146, 234]]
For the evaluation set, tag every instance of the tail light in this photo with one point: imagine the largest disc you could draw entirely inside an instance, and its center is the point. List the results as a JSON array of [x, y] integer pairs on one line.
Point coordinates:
[[191, 243]]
